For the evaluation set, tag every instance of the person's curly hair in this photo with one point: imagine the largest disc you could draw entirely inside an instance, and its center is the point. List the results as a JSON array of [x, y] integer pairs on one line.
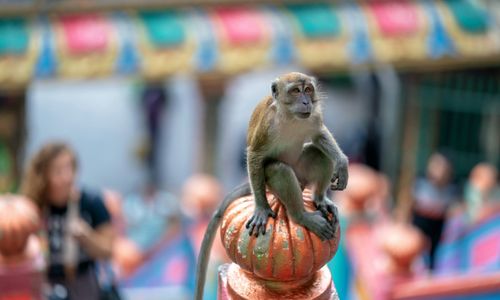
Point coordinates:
[[34, 183]]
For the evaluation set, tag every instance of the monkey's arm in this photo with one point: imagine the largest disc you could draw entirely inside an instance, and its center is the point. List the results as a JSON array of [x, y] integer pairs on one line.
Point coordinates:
[[257, 179], [327, 144]]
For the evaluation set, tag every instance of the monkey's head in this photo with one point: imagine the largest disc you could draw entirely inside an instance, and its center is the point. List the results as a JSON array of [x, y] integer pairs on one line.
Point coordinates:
[[296, 94]]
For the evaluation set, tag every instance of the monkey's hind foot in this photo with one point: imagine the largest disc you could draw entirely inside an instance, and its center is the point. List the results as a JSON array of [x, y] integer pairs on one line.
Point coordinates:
[[317, 223], [258, 222], [326, 207]]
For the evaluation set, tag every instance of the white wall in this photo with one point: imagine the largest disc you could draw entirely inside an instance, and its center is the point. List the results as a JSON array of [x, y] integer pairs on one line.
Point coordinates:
[[102, 120], [98, 118], [182, 132]]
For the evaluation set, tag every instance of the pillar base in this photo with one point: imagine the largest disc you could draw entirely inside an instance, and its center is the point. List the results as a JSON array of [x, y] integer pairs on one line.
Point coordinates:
[[237, 284]]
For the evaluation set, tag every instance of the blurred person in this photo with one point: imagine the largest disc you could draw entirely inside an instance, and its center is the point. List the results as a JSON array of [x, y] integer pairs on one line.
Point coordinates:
[[481, 191], [106, 270], [201, 195], [150, 213], [149, 216], [432, 196], [77, 224], [365, 200], [154, 102], [114, 204], [469, 242]]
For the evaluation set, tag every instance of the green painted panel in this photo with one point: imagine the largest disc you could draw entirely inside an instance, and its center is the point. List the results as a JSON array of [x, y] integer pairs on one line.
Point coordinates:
[[164, 28], [14, 35], [470, 15], [316, 20]]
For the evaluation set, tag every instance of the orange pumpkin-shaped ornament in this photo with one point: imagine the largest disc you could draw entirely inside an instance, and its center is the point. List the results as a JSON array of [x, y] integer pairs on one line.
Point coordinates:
[[286, 258], [18, 220]]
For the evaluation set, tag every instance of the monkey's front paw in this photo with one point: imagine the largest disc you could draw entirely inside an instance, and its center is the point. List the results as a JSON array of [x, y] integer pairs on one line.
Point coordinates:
[[326, 207], [257, 223], [340, 175]]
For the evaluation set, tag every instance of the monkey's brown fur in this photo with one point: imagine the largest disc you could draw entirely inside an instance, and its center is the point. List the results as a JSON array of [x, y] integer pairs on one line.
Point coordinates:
[[288, 148]]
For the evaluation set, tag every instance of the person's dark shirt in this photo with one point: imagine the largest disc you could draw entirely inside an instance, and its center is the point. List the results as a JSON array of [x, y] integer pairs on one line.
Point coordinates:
[[92, 211]]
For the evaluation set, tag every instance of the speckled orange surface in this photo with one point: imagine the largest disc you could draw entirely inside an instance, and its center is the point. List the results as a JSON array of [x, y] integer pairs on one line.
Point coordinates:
[[287, 252], [237, 284]]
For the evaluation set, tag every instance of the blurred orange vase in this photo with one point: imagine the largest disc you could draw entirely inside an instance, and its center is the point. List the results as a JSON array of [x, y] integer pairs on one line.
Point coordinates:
[[402, 243], [18, 220], [362, 187], [287, 251]]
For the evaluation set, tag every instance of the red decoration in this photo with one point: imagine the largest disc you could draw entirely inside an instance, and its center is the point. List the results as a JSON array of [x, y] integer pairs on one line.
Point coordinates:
[[23, 275], [287, 252], [18, 220], [395, 18], [241, 26], [85, 33]]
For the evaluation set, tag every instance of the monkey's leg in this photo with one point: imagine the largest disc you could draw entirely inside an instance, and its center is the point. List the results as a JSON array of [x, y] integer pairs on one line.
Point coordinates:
[[315, 168], [284, 184]]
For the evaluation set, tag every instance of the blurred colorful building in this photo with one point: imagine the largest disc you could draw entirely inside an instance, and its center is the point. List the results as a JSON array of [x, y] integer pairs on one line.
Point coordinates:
[[403, 79], [405, 47]]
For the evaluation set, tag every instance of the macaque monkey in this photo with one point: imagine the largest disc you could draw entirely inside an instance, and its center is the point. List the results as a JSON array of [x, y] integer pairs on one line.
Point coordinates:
[[288, 148]]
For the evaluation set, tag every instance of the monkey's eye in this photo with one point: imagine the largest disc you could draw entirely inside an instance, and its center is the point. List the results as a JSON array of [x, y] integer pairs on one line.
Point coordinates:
[[295, 90], [308, 90]]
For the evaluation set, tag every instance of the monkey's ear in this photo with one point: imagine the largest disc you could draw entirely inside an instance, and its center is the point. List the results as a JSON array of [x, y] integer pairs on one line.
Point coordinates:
[[274, 89], [314, 81]]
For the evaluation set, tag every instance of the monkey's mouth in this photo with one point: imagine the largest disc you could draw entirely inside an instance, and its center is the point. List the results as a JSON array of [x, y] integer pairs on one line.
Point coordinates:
[[304, 115]]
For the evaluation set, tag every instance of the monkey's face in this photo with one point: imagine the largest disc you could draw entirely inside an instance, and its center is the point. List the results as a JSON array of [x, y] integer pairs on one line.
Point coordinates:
[[296, 93]]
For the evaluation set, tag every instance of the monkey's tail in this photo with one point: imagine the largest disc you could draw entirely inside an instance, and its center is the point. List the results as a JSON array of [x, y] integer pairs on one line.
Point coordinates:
[[240, 191]]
